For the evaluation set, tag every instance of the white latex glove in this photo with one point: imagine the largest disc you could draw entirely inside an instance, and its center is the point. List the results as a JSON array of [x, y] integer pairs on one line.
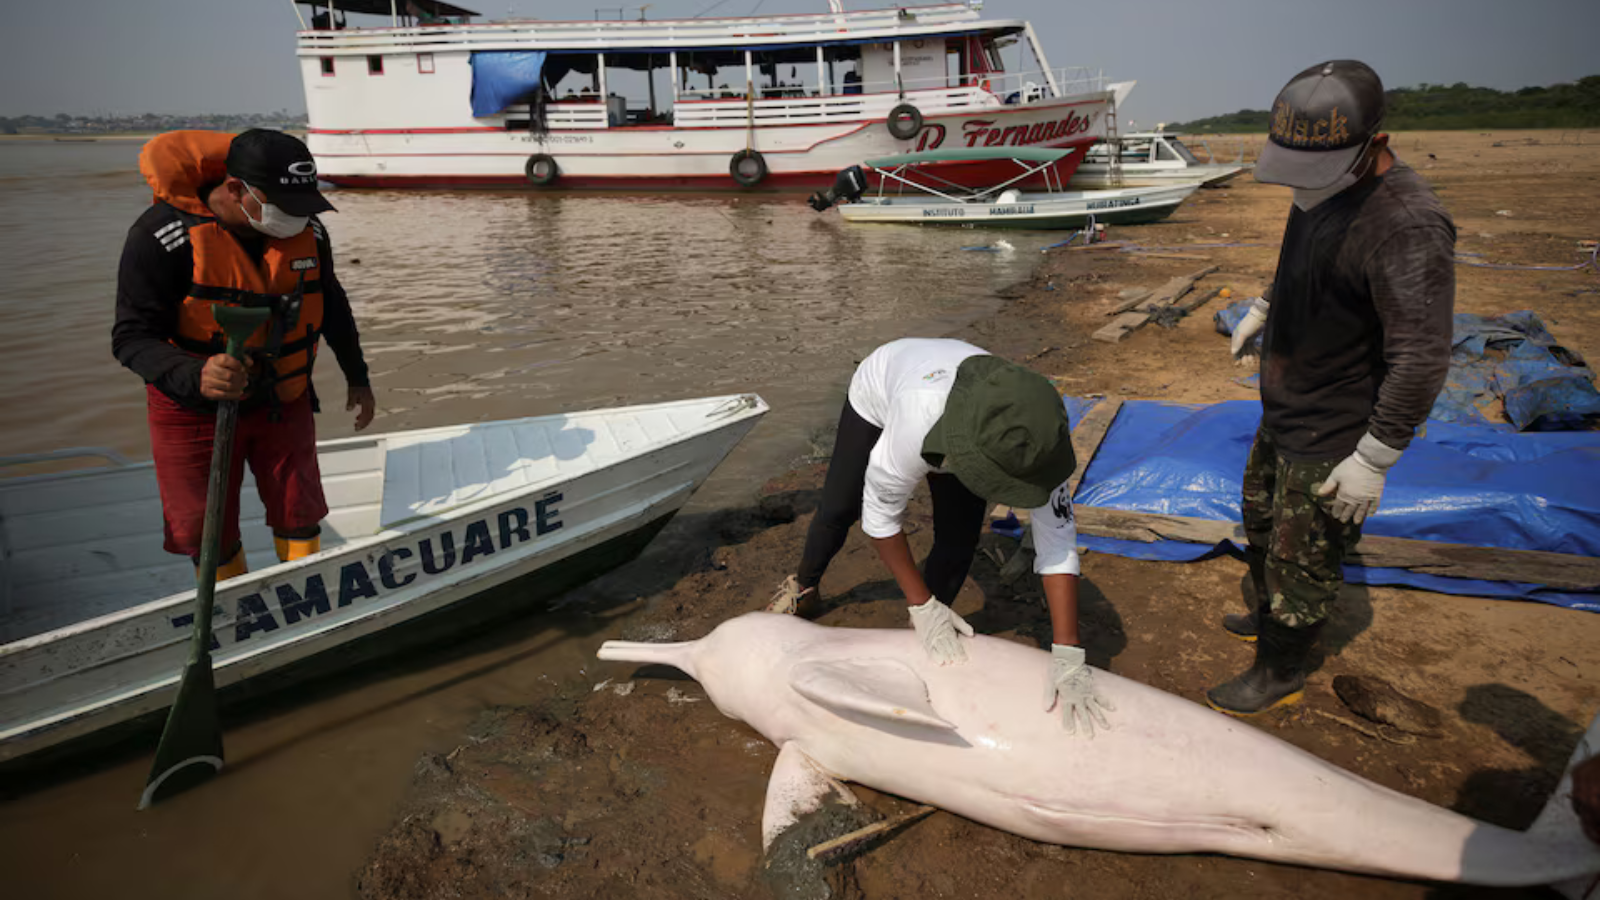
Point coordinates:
[[1248, 327], [1357, 483], [1072, 684], [937, 626]]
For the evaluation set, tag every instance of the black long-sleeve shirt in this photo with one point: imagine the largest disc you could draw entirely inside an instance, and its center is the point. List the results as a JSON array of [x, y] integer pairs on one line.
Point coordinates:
[[152, 282], [1357, 338]]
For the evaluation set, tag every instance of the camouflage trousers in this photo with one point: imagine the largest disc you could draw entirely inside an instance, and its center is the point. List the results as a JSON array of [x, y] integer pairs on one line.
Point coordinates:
[[1296, 547]]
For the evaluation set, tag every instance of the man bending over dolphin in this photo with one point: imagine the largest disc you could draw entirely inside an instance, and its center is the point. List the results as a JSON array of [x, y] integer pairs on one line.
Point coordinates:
[[980, 430]]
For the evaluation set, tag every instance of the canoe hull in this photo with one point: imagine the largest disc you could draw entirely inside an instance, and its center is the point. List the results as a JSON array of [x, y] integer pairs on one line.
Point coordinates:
[[65, 684], [495, 605], [1030, 211], [1098, 176]]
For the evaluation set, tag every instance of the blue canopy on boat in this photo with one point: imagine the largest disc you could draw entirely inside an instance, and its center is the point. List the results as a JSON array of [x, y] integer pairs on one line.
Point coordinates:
[[502, 77]]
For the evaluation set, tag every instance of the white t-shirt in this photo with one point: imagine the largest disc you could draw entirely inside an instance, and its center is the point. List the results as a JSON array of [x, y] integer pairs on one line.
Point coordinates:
[[901, 388]]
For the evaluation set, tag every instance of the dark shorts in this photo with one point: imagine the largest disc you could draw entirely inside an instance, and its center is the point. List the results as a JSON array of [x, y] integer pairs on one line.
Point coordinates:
[[282, 456]]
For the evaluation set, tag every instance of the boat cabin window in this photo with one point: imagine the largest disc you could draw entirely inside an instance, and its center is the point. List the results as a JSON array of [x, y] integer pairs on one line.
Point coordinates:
[[1165, 153], [327, 65], [786, 74], [978, 61], [710, 75], [1184, 152], [842, 70], [375, 65]]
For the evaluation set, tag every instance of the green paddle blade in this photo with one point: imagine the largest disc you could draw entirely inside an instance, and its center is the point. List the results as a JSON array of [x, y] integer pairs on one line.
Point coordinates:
[[191, 745]]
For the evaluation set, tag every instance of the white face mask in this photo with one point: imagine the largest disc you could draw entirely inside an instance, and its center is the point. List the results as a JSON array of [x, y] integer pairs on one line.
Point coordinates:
[[274, 222]]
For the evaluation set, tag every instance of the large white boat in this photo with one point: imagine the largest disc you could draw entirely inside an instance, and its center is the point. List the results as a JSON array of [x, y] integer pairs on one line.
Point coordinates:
[[434, 99]]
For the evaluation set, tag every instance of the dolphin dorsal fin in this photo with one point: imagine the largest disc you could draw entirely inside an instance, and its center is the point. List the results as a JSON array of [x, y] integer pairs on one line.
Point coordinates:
[[885, 689]]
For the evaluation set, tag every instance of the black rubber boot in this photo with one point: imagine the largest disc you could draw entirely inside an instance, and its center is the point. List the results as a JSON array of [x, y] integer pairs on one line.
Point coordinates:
[[1244, 626], [1278, 676]]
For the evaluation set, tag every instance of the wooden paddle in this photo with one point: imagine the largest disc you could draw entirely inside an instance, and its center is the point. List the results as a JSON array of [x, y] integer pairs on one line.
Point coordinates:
[[191, 745]]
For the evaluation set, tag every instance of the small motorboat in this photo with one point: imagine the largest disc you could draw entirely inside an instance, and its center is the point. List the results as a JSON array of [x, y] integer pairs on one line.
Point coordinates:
[[95, 618], [1149, 159], [936, 200]]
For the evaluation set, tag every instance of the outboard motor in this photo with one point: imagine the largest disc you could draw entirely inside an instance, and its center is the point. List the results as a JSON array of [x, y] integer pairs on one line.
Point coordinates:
[[847, 188]]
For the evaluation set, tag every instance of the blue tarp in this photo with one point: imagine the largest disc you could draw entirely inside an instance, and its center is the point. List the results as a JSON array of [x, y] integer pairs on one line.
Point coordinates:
[[1456, 484], [1541, 385], [501, 78]]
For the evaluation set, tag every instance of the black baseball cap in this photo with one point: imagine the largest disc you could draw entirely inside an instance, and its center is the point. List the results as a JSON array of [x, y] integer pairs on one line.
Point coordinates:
[[280, 167], [1322, 122]]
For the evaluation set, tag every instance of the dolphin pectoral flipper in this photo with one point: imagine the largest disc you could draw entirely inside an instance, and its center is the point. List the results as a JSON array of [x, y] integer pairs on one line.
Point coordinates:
[[883, 689], [798, 786]]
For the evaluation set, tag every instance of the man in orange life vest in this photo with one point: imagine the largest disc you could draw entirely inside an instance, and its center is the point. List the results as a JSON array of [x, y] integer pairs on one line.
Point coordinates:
[[234, 222]]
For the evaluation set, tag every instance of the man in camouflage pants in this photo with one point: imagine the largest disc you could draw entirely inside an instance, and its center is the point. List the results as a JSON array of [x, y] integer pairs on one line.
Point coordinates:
[[1354, 351]]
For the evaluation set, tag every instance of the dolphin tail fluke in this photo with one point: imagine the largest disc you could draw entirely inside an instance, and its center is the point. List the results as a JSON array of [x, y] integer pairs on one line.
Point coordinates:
[[1558, 820], [679, 655]]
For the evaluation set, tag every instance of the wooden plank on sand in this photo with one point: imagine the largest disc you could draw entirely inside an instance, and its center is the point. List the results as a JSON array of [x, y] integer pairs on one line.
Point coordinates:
[[1562, 571], [1087, 436], [1139, 254], [1121, 327], [1191, 303], [1129, 322]]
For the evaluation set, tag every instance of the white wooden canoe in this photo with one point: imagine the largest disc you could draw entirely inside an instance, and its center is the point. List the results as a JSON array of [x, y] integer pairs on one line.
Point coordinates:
[[95, 617]]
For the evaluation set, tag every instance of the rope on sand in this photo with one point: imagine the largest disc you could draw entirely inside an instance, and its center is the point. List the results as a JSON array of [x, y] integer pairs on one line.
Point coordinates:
[[1592, 262]]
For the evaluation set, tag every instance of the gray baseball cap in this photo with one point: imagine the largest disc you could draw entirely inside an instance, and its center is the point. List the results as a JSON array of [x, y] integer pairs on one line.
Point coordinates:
[[1322, 122]]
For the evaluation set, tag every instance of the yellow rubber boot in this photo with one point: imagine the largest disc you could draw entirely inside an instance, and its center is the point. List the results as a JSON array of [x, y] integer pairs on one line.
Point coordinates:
[[234, 567], [291, 549]]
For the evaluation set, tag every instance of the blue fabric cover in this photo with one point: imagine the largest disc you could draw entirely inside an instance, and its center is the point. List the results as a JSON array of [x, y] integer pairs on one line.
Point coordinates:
[[503, 77], [1457, 484]]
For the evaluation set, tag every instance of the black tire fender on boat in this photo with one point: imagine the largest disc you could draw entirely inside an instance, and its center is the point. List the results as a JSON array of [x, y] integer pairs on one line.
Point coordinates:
[[904, 121], [542, 169], [748, 167]]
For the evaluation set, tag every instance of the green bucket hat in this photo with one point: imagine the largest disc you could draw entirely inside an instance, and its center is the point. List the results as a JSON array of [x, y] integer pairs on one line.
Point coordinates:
[[1004, 433]]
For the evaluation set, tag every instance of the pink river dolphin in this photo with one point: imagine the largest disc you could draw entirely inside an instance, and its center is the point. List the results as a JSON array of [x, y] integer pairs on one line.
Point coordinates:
[[866, 705]]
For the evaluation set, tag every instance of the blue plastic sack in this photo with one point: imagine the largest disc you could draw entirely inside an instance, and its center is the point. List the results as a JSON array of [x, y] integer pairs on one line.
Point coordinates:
[[1229, 317]]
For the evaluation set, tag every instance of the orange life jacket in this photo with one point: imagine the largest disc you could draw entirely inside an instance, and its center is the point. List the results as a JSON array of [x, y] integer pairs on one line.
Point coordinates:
[[178, 165]]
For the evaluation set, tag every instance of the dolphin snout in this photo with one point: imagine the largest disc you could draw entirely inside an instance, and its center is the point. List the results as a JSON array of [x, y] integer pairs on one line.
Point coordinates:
[[679, 655]]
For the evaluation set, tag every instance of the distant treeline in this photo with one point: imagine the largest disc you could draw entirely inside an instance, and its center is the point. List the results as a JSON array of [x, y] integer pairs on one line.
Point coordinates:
[[1441, 107]]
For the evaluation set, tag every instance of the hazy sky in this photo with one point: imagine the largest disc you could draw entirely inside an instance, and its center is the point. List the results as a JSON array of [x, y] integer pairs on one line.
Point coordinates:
[[1191, 59]]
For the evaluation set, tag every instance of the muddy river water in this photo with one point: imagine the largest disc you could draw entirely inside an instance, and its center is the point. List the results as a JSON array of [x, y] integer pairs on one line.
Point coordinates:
[[472, 306]]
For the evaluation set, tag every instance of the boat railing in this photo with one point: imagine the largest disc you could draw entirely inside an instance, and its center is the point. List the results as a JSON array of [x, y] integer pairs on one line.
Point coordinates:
[[1006, 87], [567, 114], [1027, 87], [831, 108], [618, 35]]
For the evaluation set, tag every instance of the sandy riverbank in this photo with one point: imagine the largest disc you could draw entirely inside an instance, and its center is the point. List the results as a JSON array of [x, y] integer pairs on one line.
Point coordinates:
[[641, 789]]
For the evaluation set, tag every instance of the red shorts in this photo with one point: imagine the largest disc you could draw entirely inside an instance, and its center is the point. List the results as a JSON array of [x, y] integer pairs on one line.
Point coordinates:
[[282, 456]]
